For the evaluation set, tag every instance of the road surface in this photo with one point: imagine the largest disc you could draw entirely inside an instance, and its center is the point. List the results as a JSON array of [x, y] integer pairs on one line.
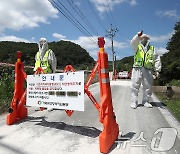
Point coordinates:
[[142, 130]]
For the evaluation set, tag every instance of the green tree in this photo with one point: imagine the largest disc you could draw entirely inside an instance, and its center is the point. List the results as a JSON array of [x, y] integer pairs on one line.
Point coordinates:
[[6, 89], [125, 64], [66, 53], [171, 60]]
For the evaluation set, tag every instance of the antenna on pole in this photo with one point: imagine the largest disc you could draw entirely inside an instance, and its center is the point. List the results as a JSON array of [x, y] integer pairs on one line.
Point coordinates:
[[111, 34]]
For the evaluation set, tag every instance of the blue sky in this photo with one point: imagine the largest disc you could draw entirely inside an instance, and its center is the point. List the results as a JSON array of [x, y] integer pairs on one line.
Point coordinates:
[[29, 20]]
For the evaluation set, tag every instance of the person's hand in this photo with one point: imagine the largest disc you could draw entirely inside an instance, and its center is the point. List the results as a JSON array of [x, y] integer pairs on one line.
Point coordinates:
[[156, 75], [140, 33]]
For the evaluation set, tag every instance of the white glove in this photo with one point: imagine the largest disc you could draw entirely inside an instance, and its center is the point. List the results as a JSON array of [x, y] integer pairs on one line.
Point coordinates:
[[140, 33], [156, 75]]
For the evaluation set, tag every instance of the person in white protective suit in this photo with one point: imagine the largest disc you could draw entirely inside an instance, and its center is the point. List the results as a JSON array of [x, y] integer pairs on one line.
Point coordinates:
[[146, 60], [45, 58]]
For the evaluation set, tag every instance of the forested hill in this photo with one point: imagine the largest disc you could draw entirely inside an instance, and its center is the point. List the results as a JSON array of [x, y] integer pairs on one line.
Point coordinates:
[[125, 64], [66, 53]]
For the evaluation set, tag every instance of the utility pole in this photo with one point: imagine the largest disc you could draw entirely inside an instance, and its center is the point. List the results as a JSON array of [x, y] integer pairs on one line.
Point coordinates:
[[111, 34]]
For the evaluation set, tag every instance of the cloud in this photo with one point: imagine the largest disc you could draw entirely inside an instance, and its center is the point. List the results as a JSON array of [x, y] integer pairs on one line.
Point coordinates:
[[161, 51], [59, 36], [86, 42], [83, 41], [77, 3], [167, 13], [133, 2], [19, 14], [108, 5], [161, 38], [119, 45], [14, 39], [92, 47]]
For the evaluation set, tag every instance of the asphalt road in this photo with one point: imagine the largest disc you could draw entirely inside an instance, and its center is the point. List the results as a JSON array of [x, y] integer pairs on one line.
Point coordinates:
[[142, 130]]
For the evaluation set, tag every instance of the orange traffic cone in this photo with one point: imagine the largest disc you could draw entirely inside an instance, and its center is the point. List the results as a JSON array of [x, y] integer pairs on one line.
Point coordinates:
[[17, 110], [107, 116]]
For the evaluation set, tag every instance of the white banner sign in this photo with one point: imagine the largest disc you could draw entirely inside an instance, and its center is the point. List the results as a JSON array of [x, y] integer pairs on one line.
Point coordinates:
[[58, 91]]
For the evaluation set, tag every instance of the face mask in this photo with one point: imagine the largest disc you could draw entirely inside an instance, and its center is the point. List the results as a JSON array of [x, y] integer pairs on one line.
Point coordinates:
[[40, 45], [43, 47], [144, 42]]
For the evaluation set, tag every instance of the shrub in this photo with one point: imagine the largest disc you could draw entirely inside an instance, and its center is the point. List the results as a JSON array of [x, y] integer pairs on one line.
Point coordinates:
[[6, 89]]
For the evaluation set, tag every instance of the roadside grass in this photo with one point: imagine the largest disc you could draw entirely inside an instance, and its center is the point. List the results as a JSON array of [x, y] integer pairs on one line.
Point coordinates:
[[6, 90], [7, 87], [173, 104], [174, 83]]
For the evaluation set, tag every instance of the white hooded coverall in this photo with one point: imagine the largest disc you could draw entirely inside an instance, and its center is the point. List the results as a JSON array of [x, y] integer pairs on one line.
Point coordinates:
[[143, 75], [43, 47], [51, 57]]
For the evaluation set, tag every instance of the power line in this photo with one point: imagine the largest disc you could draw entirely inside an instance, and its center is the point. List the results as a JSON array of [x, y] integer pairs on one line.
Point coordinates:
[[75, 19], [82, 16], [123, 36], [108, 15], [68, 15], [111, 13], [97, 17], [109, 19]]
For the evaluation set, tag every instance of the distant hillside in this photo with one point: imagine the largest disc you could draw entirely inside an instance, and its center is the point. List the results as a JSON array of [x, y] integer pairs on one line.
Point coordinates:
[[125, 64], [66, 53]]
